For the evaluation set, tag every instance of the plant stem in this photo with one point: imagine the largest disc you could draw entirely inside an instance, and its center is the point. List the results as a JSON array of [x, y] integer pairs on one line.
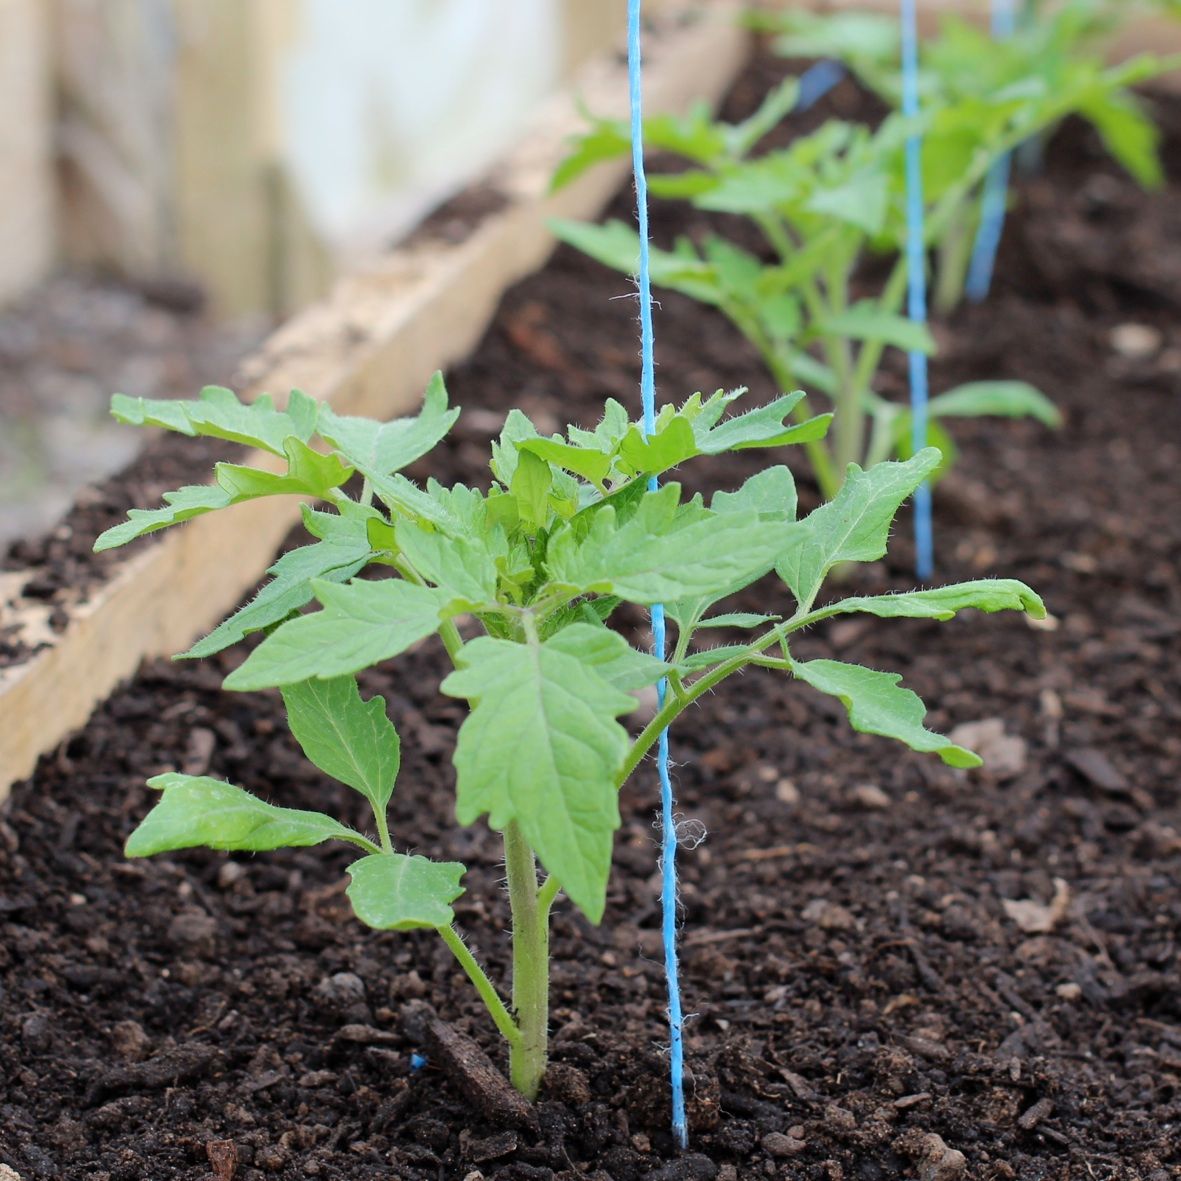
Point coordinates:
[[487, 990], [527, 1055]]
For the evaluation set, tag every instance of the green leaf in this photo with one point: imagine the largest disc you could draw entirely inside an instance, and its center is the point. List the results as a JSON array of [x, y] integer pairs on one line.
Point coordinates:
[[541, 747], [942, 602], [361, 625], [616, 245], [308, 473], [605, 141], [849, 36], [878, 705], [530, 487], [771, 493], [671, 444], [865, 320], [852, 527], [464, 568], [1001, 399], [709, 657], [193, 500], [198, 811], [381, 448], [743, 619], [393, 892], [288, 590], [765, 426], [404, 498], [588, 462], [219, 414], [665, 552], [346, 737], [610, 655], [863, 202]]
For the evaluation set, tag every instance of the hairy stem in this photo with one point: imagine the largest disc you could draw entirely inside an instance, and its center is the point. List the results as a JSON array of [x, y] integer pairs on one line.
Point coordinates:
[[487, 990], [527, 1055]]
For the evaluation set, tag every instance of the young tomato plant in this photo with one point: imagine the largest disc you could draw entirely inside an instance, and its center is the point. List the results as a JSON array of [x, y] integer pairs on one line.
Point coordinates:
[[519, 583], [1050, 67], [820, 205]]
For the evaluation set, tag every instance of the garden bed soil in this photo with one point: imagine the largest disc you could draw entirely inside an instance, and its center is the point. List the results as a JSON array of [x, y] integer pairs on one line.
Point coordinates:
[[894, 970]]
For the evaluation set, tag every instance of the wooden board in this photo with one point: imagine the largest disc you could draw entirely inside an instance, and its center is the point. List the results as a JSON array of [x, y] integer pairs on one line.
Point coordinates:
[[26, 147], [368, 349]]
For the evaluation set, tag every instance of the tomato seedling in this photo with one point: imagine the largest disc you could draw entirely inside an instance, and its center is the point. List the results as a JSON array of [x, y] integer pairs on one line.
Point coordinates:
[[519, 583], [1052, 66]]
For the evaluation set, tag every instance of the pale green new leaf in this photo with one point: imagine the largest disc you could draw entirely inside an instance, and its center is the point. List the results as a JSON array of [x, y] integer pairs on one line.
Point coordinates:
[[589, 462], [877, 704], [463, 567], [943, 602], [345, 736], [394, 892], [309, 473], [381, 448], [530, 487], [852, 527], [219, 414], [361, 625], [541, 747], [197, 811]]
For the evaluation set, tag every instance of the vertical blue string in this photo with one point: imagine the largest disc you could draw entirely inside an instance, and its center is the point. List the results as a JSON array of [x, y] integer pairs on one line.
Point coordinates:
[[668, 889], [916, 259], [996, 187]]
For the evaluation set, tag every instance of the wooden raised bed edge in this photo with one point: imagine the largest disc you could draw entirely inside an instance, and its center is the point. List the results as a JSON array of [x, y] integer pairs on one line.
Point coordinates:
[[367, 349]]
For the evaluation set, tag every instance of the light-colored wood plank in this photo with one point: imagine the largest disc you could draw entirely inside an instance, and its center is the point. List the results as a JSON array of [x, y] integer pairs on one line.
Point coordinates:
[[27, 208], [369, 349]]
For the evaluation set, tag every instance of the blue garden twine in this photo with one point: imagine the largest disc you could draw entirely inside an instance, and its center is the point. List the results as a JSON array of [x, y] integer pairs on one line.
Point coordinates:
[[996, 187], [916, 259], [668, 890]]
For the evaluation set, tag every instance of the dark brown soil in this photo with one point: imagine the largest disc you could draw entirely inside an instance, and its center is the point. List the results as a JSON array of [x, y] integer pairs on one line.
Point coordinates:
[[866, 1001]]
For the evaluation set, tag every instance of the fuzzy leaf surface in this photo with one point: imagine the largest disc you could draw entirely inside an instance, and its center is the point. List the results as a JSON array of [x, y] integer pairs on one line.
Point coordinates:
[[942, 602], [288, 590], [197, 811], [394, 892], [610, 655], [664, 552], [542, 747], [308, 473], [218, 413], [771, 493], [877, 704], [345, 736], [464, 568], [852, 527], [193, 500], [361, 624], [381, 448]]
